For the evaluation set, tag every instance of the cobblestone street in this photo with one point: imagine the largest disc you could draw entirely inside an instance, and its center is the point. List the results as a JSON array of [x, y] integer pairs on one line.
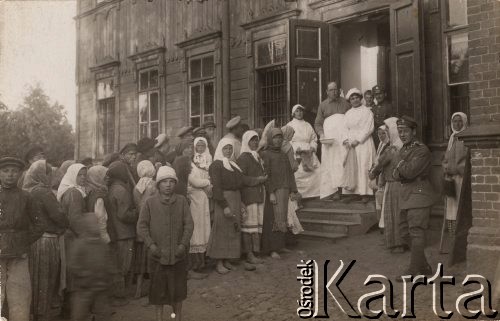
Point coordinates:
[[271, 292]]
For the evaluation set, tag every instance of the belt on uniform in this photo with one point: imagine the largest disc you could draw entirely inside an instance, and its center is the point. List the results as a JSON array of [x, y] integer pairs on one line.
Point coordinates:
[[417, 179]]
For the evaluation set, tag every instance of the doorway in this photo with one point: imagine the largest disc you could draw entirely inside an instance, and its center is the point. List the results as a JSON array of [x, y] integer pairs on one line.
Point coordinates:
[[364, 46]]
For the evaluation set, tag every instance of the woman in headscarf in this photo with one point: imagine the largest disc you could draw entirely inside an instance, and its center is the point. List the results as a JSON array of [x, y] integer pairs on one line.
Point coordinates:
[[280, 186], [227, 180], [97, 198], [145, 188], [304, 142], [378, 180], [359, 121], [199, 189], [387, 159], [252, 195], [45, 256], [122, 220], [71, 195], [454, 162]]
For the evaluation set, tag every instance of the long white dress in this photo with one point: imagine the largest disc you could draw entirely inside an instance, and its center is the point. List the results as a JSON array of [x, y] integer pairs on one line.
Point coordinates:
[[200, 208], [359, 122], [333, 155], [308, 182]]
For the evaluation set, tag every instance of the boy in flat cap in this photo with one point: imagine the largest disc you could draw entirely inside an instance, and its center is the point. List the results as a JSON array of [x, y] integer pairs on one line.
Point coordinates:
[[128, 155], [32, 155], [20, 226], [416, 194]]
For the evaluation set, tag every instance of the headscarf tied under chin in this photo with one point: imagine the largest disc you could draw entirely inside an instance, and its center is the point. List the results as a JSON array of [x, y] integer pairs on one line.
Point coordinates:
[[392, 127], [69, 181], [272, 133], [228, 164], [288, 133], [146, 171], [96, 179], [454, 132], [385, 142], [204, 159], [37, 175], [245, 148]]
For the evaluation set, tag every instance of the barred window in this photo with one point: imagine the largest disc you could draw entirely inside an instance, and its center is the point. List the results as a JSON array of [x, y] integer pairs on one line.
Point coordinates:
[[149, 103], [201, 90]]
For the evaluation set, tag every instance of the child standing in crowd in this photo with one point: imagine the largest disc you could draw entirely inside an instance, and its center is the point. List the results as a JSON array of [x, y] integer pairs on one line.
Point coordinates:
[[199, 189], [280, 185], [166, 226], [20, 227], [145, 188], [92, 267], [252, 195]]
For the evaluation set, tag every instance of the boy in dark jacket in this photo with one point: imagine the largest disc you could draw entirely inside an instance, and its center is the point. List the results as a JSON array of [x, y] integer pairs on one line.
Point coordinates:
[[91, 265]]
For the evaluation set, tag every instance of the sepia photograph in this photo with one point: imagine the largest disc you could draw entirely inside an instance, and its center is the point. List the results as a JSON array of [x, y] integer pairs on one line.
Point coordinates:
[[249, 160]]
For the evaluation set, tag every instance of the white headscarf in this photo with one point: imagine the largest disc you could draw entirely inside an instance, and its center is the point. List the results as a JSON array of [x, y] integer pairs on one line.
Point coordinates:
[[69, 181], [245, 148], [228, 164], [387, 140], [146, 171], [454, 132], [295, 107], [204, 159], [393, 132]]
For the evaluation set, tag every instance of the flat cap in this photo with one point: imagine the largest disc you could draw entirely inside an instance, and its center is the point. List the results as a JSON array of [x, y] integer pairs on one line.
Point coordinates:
[[128, 147], [199, 131], [184, 130], [145, 144], [406, 121], [209, 124], [233, 122], [378, 89], [162, 138], [11, 161]]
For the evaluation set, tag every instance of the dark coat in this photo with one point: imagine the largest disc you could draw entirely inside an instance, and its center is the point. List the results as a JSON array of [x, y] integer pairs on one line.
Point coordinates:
[[20, 224], [278, 170], [252, 191], [122, 213], [52, 216], [413, 169]]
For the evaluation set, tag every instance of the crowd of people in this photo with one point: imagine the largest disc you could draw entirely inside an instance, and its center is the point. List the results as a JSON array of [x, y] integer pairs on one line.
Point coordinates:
[[163, 209]]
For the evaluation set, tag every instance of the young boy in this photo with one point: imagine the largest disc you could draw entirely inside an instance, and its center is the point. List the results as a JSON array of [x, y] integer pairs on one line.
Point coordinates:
[[20, 226], [165, 224], [90, 263]]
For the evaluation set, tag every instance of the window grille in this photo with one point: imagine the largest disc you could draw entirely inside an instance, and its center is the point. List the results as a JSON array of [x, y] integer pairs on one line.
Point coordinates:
[[149, 104], [106, 123], [201, 90], [273, 95]]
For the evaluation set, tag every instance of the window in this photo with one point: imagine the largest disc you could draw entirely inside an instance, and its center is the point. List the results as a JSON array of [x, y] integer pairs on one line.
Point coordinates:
[[273, 95], [106, 120], [149, 104], [201, 90], [457, 53], [270, 52], [105, 117]]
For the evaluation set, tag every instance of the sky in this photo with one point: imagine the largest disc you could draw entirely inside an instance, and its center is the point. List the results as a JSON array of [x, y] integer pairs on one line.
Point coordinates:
[[37, 45]]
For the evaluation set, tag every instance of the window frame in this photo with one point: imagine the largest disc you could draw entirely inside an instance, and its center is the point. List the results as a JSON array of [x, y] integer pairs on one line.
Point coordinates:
[[148, 91], [106, 145], [201, 82]]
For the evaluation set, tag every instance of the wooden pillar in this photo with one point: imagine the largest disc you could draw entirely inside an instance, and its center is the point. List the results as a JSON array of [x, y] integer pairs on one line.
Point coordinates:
[[226, 75]]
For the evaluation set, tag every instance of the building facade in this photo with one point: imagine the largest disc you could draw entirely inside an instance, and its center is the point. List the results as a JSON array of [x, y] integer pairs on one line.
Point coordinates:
[[146, 67]]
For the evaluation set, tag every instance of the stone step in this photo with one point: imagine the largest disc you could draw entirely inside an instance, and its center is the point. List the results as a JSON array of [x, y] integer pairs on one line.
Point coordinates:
[[318, 203], [332, 214], [323, 235], [319, 225]]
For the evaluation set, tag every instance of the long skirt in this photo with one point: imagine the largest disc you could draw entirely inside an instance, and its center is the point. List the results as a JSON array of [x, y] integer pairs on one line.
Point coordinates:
[[452, 202], [225, 237], [141, 259], [272, 241], [251, 227], [45, 264], [391, 215], [200, 211], [168, 283]]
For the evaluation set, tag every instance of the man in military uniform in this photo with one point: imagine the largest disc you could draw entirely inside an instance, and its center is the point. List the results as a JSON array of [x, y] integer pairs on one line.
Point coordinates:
[[416, 194], [381, 111]]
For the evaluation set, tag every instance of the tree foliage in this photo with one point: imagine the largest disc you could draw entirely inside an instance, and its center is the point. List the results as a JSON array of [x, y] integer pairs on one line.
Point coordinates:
[[36, 122]]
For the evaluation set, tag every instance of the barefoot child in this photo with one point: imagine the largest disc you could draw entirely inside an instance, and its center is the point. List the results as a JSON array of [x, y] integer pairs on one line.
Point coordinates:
[[166, 226]]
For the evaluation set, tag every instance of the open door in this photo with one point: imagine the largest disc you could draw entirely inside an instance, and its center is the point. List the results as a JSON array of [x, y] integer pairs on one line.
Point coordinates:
[[308, 64], [408, 81]]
